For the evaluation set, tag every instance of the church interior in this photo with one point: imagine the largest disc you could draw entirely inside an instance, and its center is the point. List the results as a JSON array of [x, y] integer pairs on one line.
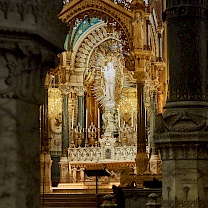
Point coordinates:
[[103, 98]]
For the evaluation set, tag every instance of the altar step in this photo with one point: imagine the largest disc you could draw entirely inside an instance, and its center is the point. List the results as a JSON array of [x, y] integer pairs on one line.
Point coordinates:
[[69, 200]]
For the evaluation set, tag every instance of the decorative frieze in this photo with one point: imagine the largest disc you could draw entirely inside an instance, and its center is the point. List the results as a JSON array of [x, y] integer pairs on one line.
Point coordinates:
[[184, 151], [184, 10], [127, 153]]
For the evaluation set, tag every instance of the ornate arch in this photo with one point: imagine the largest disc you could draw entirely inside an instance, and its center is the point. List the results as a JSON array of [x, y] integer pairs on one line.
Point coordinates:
[[90, 42], [103, 9]]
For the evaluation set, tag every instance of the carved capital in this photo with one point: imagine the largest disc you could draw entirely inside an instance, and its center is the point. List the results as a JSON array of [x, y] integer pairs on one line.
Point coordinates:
[[141, 76], [190, 9], [23, 73], [65, 89], [80, 90]]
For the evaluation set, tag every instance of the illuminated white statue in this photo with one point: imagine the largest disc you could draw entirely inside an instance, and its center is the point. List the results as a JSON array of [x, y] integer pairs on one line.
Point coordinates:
[[109, 76]]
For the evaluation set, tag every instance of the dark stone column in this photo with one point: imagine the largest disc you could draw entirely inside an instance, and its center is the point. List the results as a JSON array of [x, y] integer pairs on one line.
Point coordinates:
[[141, 134], [26, 50], [65, 126], [141, 157], [187, 51], [181, 133], [21, 95]]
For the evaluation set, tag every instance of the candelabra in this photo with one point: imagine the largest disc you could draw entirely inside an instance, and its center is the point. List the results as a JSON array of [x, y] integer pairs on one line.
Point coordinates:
[[92, 133], [127, 135], [78, 134]]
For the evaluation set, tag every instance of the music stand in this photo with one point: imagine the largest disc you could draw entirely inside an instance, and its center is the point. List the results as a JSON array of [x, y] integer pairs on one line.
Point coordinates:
[[96, 173]]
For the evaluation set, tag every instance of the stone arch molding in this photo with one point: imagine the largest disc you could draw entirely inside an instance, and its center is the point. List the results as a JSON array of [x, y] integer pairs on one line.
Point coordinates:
[[91, 40], [100, 8]]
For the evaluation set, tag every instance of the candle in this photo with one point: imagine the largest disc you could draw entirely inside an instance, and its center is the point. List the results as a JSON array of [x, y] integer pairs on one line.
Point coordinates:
[[119, 120], [64, 58], [98, 118], [132, 118], [72, 118], [86, 118]]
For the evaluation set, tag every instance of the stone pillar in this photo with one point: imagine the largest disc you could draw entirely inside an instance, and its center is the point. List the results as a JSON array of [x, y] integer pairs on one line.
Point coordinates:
[[65, 126], [44, 114], [23, 64], [80, 113], [20, 97], [141, 157], [80, 98], [46, 163], [66, 72], [154, 162], [64, 164], [181, 133], [155, 85]]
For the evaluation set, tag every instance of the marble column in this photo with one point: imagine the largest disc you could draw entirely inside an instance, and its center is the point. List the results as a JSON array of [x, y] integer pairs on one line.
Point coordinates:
[[64, 170], [80, 113], [181, 133], [80, 100], [141, 157], [80, 90], [65, 126]]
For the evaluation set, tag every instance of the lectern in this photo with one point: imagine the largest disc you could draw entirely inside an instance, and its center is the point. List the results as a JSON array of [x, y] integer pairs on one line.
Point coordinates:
[[96, 173]]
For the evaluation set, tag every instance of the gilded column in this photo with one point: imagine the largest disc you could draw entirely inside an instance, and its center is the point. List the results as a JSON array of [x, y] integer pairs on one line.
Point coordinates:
[[181, 133]]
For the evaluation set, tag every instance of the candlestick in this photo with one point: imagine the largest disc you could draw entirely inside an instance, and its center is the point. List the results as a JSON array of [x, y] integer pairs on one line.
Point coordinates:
[[86, 119], [72, 118], [119, 119], [98, 118]]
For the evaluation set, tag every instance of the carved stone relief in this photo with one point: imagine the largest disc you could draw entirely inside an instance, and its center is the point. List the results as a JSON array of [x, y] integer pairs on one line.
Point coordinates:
[[24, 73]]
